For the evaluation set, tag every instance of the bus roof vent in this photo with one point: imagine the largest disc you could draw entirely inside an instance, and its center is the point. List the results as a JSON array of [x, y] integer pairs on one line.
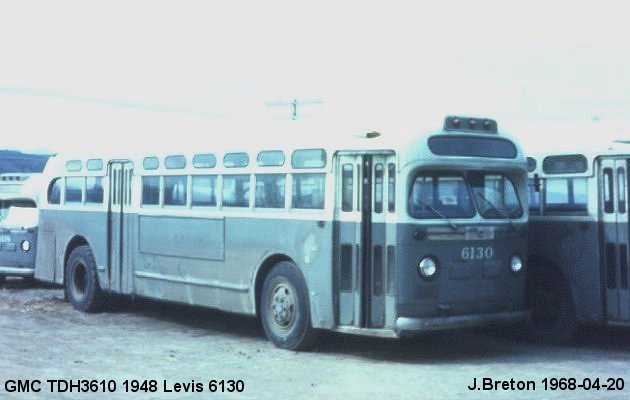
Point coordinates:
[[468, 124]]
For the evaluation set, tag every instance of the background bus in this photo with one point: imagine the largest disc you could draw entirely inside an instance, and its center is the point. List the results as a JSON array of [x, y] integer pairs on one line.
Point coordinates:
[[19, 190], [382, 235], [579, 239]]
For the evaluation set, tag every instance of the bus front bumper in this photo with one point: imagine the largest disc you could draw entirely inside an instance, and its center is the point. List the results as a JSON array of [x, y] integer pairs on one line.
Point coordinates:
[[411, 325]]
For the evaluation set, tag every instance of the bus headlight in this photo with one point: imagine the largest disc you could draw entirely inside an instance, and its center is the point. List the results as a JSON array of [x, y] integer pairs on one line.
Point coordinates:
[[25, 245], [516, 264], [428, 267]]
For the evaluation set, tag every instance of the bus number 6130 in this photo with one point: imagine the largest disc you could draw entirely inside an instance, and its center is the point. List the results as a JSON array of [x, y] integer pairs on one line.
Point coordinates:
[[477, 253]]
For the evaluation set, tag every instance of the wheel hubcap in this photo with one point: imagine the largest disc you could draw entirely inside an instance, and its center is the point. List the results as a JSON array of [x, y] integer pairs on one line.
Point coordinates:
[[283, 306]]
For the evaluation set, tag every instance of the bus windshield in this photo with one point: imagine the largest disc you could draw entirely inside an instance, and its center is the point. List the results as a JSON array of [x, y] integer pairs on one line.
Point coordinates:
[[439, 195], [448, 195], [19, 217], [495, 195]]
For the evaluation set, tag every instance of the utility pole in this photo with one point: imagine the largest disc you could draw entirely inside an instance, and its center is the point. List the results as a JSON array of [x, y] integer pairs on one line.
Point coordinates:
[[294, 105]]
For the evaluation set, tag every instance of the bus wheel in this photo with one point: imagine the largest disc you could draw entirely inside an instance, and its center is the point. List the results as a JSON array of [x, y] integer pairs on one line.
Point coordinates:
[[553, 318], [81, 282], [3, 279], [284, 310]]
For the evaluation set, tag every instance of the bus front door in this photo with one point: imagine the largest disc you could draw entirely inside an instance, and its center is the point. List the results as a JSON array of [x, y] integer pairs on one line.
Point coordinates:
[[363, 280], [119, 226], [613, 211]]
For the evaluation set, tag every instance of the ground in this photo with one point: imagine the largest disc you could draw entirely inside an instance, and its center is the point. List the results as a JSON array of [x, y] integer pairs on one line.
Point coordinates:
[[43, 338]]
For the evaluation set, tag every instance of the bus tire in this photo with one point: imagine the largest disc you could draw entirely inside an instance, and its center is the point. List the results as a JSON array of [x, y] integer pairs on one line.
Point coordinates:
[[553, 311], [3, 279], [285, 312], [81, 281]]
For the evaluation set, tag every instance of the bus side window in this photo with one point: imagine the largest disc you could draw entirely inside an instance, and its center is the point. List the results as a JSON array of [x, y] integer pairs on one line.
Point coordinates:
[[74, 190], [270, 190], [204, 190], [309, 191], [175, 190], [236, 190], [150, 190], [566, 195], [54, 191], [94, 190]]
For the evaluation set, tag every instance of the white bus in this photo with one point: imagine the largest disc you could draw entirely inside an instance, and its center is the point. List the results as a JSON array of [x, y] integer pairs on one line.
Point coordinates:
[[18, 224], [381, 234], [578, 246]]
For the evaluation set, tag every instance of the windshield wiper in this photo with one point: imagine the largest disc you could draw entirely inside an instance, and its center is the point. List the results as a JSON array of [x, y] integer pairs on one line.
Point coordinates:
[[439, 214], [495, 208]]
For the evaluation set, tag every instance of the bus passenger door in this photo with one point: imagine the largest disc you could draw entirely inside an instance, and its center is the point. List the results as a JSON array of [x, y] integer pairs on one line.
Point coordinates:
[[613, 211], [363, 241], [118, 225]]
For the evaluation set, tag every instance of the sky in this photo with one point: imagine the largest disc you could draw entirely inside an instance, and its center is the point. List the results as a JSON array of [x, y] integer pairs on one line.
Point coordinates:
[[77, 75]]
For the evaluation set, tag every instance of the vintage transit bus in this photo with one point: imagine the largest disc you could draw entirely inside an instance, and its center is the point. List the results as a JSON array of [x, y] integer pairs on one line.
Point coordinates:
[[578, 246], [18, 224], [19, 190], [384, 234]]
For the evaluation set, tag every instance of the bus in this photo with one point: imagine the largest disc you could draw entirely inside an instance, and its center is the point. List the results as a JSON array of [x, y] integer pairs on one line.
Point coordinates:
[[578, 239], [382, 234], [18, 224]]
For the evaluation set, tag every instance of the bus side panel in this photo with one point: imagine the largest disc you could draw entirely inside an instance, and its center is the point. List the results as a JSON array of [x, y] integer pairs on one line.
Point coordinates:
[[180, 263], [217, 269], [575, 251], [182, 239], [45, 264], [58, 228], [310, 243]]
